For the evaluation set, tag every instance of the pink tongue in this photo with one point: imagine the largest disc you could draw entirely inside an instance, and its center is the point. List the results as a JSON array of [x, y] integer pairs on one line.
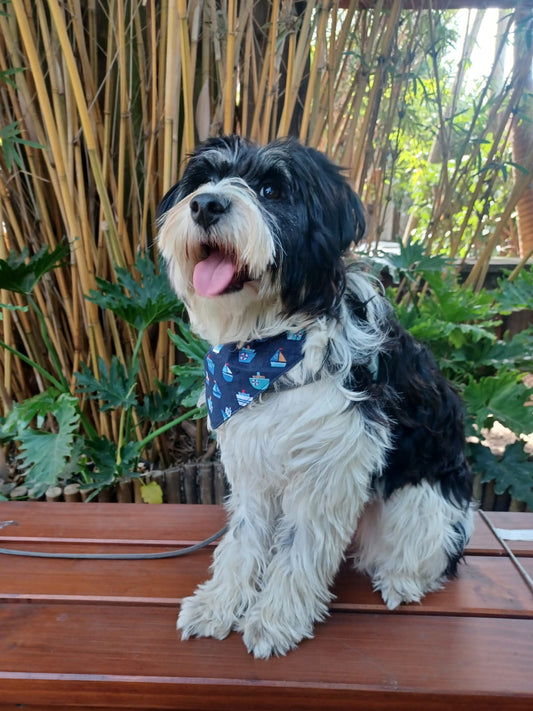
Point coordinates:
[[213, 275]]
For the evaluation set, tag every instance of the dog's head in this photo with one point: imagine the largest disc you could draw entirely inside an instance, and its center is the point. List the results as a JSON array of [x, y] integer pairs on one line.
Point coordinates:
[[254, 236]]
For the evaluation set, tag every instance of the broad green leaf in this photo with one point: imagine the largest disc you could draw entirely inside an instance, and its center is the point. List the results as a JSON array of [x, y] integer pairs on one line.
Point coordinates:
[[516, 295], [43, 454], [516, 353], [188, 343], [501, 398], [413, 260], [161, 404], [140, 302], [107, 465], [114, 388], [22, 414], [20, 274], [513, 473]]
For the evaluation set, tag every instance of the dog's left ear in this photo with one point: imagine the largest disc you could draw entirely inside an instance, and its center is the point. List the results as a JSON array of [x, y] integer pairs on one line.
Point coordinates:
[[352, 217], [333, 206], [341, 209]]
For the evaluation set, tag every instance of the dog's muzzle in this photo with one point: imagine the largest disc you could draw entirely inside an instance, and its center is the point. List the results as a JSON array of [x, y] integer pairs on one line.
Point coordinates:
[[208, 208]]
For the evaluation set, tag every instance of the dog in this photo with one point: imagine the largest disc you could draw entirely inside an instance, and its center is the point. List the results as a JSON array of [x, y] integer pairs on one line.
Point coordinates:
[[346, 439]]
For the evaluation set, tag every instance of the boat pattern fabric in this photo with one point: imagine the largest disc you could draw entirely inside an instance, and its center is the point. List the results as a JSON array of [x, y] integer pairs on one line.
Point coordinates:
[[236, 375]]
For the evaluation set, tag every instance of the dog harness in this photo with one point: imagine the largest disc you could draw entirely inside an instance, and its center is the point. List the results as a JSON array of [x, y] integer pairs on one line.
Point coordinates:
[[236, 375]]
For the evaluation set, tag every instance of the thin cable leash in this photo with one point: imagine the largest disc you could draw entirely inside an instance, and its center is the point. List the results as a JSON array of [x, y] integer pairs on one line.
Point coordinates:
[[113, 556]]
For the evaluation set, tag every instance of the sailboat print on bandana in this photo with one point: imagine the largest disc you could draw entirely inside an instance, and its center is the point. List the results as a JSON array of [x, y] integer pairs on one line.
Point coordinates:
[[237, 375], [278, 360]]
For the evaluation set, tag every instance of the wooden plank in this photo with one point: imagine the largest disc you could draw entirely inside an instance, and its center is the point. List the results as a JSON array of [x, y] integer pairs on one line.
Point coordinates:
[[483, 541], [119, 655], [177, 524], [506, 521], [485, 585]]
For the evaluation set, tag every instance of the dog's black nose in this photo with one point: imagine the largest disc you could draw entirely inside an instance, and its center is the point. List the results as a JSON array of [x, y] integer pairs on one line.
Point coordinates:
[[207, 208]]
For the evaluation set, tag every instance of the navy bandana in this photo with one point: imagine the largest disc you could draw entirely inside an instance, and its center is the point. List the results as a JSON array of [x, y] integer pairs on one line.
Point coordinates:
[[234, 377]]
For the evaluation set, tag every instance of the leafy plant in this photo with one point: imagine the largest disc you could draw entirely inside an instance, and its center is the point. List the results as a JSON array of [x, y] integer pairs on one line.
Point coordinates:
[[191, 374], [43, 453], [56, 441], [460, 326]]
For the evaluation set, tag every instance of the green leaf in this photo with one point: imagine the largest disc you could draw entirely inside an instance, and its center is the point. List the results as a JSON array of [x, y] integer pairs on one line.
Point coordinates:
[[413, 260], [44, 454], [161, 404], [456, 304], [114, 388], [9, 140], [141, 302], [12, 307], [513, 473], [515, 295], [191, 380], [108, 464], [22, 414], [6, 74], [191, 345], [501, 398], [20, 274], [190, 375], [516, 353]]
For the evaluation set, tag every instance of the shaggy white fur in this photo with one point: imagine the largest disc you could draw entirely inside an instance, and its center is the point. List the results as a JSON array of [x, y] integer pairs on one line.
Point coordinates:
[[305, 461]]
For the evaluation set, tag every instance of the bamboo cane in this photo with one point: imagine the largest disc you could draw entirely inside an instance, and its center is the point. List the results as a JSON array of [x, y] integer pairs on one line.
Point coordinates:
[[188, 129]]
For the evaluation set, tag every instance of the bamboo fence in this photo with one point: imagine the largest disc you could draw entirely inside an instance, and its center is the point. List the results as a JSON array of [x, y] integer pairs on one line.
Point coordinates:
[[117, 94]]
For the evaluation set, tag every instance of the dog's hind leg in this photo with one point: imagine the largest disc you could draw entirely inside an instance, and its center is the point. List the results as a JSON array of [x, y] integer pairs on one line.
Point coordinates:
[[411, 542], [239, 562]]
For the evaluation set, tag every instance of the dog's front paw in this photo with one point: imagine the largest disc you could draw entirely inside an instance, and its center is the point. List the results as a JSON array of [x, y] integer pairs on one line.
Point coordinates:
[[268, 633], [203, 615]]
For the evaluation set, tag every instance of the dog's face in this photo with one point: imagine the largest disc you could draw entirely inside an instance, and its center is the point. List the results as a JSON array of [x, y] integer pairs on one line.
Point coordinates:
[[254, 235]]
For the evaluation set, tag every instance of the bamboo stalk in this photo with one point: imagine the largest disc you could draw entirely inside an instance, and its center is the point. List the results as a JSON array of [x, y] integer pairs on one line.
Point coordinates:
[[476, 278], [367, 125], [188, 129], [299, 62], [229, 103], [172, 76], [321, 34], [89, 134], [270, 56]]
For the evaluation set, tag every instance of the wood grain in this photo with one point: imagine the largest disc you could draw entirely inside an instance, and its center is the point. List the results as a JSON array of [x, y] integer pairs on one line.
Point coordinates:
[[101, 634]]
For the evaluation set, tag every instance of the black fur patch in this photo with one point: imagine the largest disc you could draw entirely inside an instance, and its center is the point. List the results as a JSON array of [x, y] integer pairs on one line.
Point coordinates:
[[426, 417]]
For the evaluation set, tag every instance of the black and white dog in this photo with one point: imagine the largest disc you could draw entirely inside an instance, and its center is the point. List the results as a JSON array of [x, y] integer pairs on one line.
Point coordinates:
[[338, 433]]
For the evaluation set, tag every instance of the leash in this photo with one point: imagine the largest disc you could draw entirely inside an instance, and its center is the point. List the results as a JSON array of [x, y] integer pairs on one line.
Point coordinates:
[[112, 556]]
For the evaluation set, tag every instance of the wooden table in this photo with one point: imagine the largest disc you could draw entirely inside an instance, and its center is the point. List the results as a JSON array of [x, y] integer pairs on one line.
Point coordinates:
[[82, 634]]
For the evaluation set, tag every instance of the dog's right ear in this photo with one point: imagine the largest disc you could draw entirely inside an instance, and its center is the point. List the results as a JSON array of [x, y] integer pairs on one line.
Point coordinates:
[[168, 201]]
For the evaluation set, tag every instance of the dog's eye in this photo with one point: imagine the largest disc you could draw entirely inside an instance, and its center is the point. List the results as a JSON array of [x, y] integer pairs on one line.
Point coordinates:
[[270, 191]]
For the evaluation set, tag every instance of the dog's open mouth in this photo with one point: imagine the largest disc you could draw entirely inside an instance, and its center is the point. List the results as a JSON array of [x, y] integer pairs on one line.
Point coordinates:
[[219, 273]]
